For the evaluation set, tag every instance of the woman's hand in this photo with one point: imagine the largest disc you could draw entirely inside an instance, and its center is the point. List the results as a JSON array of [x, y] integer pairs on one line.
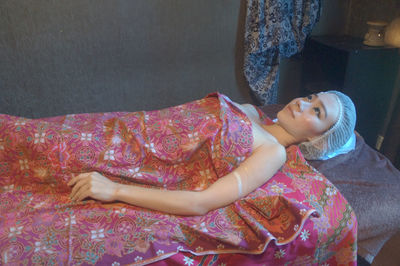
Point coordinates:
[[93, 185]]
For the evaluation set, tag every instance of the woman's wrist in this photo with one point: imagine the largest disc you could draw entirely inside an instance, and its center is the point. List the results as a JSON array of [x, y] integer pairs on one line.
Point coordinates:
[[118, 191]]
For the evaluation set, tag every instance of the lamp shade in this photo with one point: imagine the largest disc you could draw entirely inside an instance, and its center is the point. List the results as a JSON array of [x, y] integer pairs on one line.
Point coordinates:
[[392, 34]]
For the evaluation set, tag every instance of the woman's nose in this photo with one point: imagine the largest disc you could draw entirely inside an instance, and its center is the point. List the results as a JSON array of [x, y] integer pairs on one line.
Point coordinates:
[[303, 105]]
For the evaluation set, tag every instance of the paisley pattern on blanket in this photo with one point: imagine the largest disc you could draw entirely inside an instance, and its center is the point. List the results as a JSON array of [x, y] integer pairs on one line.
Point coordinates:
[[186, 147]]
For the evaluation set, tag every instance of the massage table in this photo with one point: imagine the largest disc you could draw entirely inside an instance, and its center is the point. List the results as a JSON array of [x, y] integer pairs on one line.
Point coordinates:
[[316, 212]]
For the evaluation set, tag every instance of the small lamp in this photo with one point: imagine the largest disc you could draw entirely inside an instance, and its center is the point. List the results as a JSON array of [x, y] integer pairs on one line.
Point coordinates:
[[375, 34]]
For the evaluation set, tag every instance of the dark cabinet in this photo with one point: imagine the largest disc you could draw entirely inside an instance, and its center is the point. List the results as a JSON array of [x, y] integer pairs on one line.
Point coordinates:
[[366, 74]]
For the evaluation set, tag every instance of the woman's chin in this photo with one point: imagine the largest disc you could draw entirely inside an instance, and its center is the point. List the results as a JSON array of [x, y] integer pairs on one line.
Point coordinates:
[[284, 115]]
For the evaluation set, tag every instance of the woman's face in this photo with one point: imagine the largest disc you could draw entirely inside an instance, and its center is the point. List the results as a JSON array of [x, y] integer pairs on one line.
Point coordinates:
[[308, 117]]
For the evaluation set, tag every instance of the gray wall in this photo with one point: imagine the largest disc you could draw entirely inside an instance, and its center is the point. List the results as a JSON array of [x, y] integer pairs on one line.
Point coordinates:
[[74, 56], [59, 57]]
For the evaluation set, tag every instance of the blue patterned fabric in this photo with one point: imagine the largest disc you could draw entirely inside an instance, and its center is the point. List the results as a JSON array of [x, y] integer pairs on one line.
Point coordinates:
[[274, 28]]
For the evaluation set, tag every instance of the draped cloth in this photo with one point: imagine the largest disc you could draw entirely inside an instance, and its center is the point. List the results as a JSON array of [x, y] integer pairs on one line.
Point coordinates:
[[274, 28], [187, 147]]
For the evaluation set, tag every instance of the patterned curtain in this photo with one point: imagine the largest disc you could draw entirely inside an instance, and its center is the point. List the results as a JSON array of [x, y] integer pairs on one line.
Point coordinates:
[[274, 28]]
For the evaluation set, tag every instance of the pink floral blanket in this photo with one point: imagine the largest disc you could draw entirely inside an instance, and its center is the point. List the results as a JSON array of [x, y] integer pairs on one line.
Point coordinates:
[[186, 147]]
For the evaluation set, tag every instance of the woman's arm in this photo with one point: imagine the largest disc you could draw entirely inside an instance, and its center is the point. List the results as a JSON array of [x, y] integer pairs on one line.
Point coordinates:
[[97, 186], [253, 172]]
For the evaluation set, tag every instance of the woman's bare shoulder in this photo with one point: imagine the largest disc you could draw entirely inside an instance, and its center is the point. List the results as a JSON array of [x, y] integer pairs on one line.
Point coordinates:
[[262, 138], [251, 111]]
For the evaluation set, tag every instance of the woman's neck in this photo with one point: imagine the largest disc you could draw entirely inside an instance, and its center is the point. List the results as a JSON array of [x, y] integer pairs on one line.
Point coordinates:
[[281, 135]]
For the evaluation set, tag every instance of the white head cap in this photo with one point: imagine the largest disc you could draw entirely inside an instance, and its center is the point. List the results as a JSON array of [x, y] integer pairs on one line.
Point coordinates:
[[335, 137]]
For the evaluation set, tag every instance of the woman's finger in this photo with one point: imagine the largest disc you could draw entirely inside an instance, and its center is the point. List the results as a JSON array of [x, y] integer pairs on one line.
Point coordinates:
[[80, 184], [83, 195], [83, 190], [76, 178], [72, 181]]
